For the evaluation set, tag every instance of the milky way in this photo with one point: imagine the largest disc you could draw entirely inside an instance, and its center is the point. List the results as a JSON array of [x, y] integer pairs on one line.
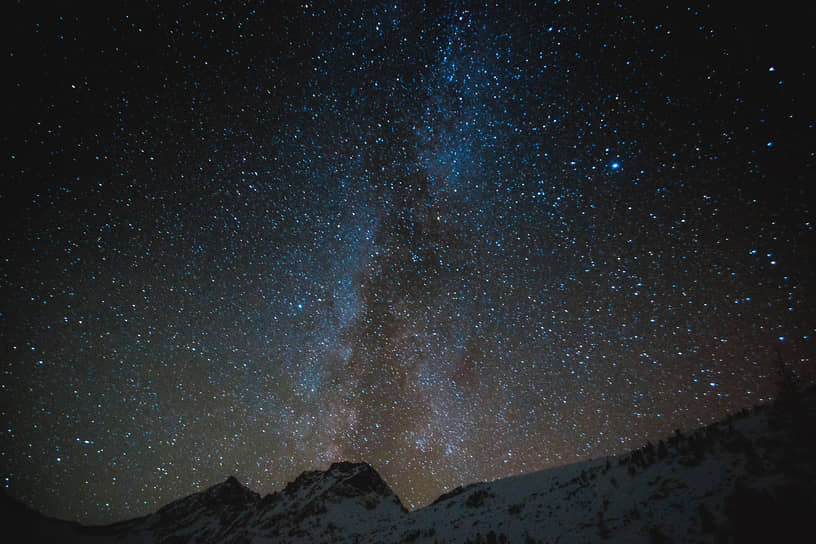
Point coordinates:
[[456, 242]]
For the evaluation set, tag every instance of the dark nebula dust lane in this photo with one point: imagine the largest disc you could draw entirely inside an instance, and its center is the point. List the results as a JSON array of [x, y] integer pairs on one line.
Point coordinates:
[[457, 242]]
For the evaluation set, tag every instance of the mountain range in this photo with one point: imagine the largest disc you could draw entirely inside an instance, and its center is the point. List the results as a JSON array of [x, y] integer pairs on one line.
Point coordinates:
[[749, 478]]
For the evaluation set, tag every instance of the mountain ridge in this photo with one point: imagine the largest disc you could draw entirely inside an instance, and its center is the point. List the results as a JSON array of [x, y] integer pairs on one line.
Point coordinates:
[[718, 483]]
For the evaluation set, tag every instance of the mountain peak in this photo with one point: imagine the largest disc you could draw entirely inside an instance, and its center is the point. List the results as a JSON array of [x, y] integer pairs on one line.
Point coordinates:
[[358, 479], [231, 481], [720, 482], [231, 491], [343, 480], [347, 467]]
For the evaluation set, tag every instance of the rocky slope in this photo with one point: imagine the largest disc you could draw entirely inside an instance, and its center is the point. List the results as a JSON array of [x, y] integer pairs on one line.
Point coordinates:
[[747, 479]]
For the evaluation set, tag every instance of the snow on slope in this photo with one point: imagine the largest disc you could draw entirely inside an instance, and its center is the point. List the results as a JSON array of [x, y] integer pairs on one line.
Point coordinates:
[[346, 502], [206, 516], [748, 479]]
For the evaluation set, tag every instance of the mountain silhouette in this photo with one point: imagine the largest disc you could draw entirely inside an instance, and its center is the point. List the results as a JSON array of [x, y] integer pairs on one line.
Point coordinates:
[[749, 478]]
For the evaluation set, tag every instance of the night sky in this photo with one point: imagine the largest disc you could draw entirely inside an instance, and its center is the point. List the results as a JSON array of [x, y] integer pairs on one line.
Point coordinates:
[[458, 242]]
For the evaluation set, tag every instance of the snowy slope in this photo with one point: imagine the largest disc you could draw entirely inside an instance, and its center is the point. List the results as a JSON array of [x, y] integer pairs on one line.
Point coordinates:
[[347, 502], [748, 479]]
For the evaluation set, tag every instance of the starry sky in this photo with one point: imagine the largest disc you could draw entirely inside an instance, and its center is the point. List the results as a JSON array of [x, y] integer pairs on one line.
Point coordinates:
[[457, 241]]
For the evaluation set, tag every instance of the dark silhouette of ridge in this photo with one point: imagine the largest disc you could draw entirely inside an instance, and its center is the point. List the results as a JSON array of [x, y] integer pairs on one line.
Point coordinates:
[[748, 478]]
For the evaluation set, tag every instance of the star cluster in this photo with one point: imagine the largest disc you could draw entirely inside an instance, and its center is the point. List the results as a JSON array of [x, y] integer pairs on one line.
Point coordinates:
[[458, 242]]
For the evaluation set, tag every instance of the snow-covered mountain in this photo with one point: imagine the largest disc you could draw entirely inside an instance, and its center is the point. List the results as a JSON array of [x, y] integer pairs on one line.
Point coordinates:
[[747, 479]]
